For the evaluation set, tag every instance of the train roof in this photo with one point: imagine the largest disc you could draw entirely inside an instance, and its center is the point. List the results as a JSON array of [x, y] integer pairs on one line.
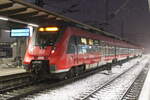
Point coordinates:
[[109, 40]]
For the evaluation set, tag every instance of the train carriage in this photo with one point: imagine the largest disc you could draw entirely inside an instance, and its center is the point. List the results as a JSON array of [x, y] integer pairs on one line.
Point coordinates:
[[70, 50]]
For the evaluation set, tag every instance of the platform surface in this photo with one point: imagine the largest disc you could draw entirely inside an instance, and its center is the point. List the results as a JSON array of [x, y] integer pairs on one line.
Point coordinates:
[[145, 93], [9, 71]]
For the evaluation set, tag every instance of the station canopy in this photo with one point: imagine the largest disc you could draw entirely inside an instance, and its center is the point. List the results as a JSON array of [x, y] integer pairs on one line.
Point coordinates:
[[26, 12]]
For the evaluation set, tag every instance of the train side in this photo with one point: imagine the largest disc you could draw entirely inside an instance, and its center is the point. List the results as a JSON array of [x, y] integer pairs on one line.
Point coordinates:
[[76, 51], [94, 50]]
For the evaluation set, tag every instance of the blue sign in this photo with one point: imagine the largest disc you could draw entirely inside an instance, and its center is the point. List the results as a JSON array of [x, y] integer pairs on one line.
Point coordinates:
[[20, 32]]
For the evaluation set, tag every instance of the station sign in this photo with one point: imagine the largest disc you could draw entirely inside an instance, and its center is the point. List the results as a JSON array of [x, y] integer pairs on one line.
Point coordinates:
[[24, 32]]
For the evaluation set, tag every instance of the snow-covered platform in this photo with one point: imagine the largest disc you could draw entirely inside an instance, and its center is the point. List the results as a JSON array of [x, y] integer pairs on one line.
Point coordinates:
[[9, 66], [10, 71], [145, 93]]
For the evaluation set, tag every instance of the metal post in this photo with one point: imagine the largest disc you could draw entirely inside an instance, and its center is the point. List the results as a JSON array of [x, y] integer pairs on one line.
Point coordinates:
[[18, 57]]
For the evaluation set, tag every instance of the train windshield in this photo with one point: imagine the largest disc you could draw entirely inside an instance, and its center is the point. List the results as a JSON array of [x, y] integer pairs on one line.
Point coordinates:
[[46, 36]]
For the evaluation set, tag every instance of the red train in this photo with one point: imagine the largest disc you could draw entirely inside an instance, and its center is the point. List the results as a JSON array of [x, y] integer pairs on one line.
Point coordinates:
[[69, 50]]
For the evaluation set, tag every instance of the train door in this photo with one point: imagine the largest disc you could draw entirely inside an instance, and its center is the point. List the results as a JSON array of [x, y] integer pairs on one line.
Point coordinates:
[[72, 49], [83, 55], [102, 51], [115, 52], [76, 50]]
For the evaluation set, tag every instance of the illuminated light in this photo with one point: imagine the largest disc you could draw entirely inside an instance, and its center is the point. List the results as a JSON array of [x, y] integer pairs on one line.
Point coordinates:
[[3, 18], [53, 29], [83, 40], [34, 25], [90, 42], [90, 47], [52, 51], [41, 29]]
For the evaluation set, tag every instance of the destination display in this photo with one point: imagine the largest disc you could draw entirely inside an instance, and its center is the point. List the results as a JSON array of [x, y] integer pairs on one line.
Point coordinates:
[[25, 32]]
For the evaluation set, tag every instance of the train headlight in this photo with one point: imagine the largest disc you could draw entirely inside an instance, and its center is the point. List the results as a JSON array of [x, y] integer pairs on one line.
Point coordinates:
[[52, 51]]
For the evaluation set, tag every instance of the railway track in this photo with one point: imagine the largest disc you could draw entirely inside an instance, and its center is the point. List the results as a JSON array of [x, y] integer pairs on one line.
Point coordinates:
[[109, 85], [29, 88], [133, 92], [9, 81]]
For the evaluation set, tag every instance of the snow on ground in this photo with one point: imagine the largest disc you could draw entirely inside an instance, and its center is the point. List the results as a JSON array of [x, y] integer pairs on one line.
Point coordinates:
[[10, 71], [145, 93], [76, 89], [8, 66], [7, 63], [119, 86]]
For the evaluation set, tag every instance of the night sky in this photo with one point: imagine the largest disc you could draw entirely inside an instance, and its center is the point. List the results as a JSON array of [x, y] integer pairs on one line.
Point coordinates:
[[131, 18]]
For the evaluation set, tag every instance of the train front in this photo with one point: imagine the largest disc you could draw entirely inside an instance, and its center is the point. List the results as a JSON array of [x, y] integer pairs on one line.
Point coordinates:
[[41, 47]]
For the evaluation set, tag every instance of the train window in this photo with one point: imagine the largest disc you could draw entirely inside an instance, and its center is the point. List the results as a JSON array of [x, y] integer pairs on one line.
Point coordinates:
[[108, 50], [103, 43], [45, 39], [102, 48], [94, 48], [112, 50], [82, 49], [90, 42], [99, 46], [72, 45], [117, 50], [120, 50], [105, 48], [96, 42], [99, 42], [125, 50], [83, 41], [47, 36]]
